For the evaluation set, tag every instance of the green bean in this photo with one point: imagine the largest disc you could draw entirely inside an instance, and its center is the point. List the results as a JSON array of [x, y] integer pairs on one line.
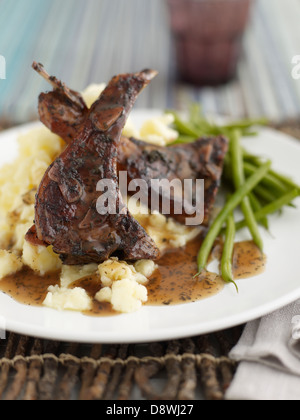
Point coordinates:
[[270, 188], [264, 186], [226, 262], [256, 206], [269, 195], [197, 125], [256, 161], [239, 179], [196, 117], [274, 185], [272, 207], [286, 180], [183, 140], [248, 157], [245, 124], [184, 127], [265, 194], [229, 207], [269, 181], [247, 133]]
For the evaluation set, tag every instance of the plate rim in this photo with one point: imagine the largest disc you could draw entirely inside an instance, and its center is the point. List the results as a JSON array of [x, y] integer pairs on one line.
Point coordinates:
[[164, 334]]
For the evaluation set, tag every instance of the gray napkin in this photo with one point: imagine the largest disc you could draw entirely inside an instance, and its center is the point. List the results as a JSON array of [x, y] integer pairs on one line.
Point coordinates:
[[269, 352]]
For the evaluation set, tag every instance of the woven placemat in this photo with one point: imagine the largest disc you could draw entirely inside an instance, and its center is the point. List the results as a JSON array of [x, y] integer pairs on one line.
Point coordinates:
[[188, 369]]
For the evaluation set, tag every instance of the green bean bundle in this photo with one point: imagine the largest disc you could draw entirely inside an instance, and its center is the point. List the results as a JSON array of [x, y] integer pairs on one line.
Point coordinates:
[[255, 186]]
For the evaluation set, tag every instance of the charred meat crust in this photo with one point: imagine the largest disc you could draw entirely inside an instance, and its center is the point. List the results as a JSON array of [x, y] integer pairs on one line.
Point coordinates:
[[66, 212], [66, 202], [202, 160]]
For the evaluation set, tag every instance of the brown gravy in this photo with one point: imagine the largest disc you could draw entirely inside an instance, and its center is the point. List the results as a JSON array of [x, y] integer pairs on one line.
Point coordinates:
[[27, 287], [248, 260], [171, 284], [91, 286]]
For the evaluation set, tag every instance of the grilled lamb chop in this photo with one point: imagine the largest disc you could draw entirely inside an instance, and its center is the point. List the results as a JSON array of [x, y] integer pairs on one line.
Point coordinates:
[[63, 112], [67, 203], [202, 159]]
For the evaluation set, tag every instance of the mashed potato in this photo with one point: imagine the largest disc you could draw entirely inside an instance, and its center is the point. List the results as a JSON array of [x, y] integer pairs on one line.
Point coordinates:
[[9, 263], [40, 259], [19, 182], [157, 130], [62, 298], [165, 232], [123, 285], [71, 273]]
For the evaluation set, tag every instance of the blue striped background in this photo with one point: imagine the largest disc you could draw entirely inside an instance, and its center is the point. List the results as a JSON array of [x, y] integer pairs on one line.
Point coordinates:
[[84, 41]]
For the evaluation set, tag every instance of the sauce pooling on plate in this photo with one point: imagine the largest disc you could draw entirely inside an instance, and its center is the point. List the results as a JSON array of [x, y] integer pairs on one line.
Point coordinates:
[[172, 283], [248, 260], [28, 287]]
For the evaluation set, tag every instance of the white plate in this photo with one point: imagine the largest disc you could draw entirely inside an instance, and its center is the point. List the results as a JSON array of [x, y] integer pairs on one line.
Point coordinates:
[[277, 287]]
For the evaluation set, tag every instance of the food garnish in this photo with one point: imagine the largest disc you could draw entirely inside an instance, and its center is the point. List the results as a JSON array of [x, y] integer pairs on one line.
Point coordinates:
[[254, 185]]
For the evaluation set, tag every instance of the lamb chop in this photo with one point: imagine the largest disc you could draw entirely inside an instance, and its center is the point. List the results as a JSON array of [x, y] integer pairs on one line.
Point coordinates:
[[201, 160], [63, 111], [67, 203]]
